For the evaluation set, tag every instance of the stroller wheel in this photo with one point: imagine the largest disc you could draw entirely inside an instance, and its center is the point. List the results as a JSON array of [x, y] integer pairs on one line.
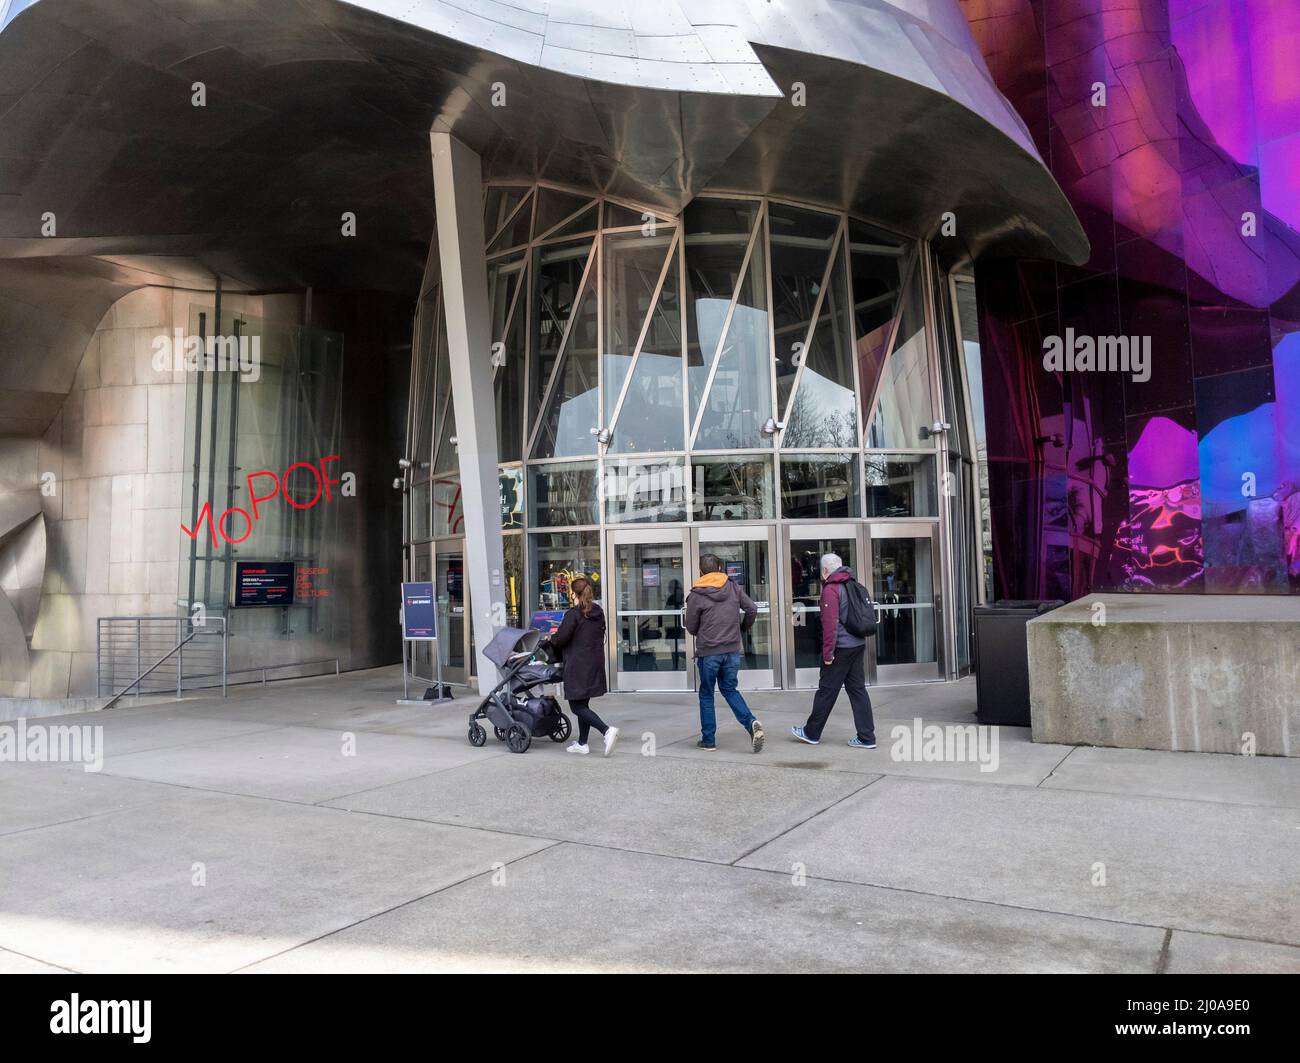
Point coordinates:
[[477, 736], [501, 735], [518, 739], [562, 730]]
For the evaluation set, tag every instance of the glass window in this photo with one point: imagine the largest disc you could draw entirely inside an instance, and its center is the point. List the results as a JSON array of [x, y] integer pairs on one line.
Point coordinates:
[[648, 623], [738, 400], [716, 234], [824, 410], [558, 274], [801, 249], [424, 362], [903, 405], [420, 517], [633, 265], [512, 549], [558, 559], [498, 202], [554, 206], [878, 266], [732, 488], [509, 329], [819, 485], [572, 415], [510, 481], [651, 416], [644, 491], [901, 485], [515, 233], [448, 511], [563, 493]]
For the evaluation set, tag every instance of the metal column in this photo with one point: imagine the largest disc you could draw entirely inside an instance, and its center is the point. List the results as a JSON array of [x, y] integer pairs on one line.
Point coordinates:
[[458, 197]]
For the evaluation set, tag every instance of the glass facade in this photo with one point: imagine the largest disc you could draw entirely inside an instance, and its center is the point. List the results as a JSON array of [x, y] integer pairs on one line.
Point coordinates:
[[753, 362]]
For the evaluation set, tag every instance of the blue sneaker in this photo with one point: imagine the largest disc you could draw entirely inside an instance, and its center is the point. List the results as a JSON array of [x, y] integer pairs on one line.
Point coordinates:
[[798, 733], [857, 743]]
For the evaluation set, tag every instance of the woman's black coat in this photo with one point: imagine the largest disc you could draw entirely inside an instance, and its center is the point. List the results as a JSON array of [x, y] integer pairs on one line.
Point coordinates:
[[581, 642]]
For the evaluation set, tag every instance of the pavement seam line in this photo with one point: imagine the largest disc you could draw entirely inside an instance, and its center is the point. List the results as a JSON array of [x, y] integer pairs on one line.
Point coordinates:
[[392, 908], [806, 819]]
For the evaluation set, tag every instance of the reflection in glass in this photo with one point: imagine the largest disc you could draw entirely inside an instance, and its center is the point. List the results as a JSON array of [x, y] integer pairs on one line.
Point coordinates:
[[515, 232], [650, 597], [745, 563], [510, 482], [563, 493], [509, 332], [651, 417], [819, 485], [806, 590], [824, 412], [498, 202], [878, 266], [800, 249], [902, 575], [738, 488], [716, 234], [738, 400], [557, 560], [903, 406], [558, 271], [901, 485], [633, 265], [448, 512], [572, 410], [653, 490], [420, 516], [424, 361]]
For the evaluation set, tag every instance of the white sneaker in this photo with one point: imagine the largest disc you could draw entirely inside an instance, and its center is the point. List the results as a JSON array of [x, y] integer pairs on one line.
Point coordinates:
[[611, 740], [578, 747]]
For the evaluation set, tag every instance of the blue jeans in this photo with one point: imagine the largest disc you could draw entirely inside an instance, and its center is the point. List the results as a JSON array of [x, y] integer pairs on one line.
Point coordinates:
[[720, 668]]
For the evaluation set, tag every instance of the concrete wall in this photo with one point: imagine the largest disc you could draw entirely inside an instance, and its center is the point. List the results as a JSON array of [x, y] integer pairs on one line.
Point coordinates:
[[1182, 672]]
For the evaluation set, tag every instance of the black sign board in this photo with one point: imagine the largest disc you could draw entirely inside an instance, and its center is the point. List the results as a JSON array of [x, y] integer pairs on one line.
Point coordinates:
[[419, 617], [263, 583]]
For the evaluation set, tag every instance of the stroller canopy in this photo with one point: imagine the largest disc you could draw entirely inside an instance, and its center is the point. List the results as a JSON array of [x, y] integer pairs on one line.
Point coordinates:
[[511, 640]]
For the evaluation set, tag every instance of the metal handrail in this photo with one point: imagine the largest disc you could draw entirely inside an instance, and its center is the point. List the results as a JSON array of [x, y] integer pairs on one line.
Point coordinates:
[[108, 635]]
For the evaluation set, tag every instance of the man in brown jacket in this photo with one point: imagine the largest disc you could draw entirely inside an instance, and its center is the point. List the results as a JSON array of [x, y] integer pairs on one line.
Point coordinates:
[[714, 611]]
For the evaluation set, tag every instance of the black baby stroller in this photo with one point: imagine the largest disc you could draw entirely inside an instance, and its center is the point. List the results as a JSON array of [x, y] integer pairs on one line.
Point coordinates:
[[517, 714]]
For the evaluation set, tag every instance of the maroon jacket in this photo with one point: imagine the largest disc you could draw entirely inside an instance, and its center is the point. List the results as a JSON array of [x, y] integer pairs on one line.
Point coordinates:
[[834, 634]]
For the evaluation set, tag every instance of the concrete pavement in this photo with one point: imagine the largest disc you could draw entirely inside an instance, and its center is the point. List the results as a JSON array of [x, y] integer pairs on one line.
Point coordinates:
[[316, 825]]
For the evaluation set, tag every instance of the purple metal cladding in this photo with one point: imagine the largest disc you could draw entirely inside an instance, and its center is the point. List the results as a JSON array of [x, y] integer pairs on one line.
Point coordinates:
[[1187, 182]]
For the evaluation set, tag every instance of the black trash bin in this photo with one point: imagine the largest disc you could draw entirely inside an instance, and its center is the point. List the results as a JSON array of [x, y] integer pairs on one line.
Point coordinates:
[[1002, 660]]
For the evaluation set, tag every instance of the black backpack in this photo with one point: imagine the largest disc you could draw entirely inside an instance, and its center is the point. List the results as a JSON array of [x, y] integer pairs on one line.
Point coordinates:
[[857, 610]]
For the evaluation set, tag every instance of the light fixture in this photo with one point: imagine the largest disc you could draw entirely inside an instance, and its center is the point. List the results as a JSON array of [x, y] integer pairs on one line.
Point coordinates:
[[397, 483], [403, 463], [771, 426], [936, 429], [603, 436]]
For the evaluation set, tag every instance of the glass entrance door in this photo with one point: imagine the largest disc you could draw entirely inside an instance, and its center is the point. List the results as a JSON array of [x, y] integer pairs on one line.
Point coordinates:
[[805, 547], [903, 583], [746, 555], [647, 596], [451, 594]]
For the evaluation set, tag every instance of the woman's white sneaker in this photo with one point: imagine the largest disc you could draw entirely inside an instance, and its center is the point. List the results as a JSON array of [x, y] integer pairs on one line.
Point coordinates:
[[611, 740], [578, 747]]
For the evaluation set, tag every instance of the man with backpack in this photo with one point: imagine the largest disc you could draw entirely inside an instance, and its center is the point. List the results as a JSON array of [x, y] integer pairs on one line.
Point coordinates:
[[714, 611], [848, 620]]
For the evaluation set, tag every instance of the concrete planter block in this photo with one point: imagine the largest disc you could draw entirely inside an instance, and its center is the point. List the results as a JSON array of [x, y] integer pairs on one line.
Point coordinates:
[[1201, 673]]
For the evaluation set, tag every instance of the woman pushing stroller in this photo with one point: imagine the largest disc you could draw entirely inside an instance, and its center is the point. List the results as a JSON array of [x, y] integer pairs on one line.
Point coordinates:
[[581, 642]]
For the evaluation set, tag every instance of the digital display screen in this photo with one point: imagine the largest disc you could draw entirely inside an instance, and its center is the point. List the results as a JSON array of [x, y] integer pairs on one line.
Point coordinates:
[[263, 583]]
